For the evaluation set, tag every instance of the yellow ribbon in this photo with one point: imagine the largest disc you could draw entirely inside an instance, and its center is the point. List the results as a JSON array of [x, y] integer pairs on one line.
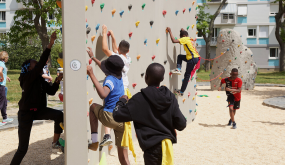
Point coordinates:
[[167, 152], [127, 140]]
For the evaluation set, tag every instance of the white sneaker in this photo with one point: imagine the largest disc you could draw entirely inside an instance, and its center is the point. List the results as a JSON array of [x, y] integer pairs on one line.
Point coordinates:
[[176, 71], [8, 120], [2, 124]]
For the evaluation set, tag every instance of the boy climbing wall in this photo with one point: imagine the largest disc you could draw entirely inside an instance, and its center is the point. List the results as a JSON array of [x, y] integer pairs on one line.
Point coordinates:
[[233, 91], [156, 114], [192, 58]]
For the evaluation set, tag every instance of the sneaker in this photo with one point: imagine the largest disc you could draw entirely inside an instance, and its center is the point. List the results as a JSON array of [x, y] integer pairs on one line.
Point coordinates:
[[230, 123], [106, 140], [8, 120], [176, 71], [234, 125], [56, 147], [93, 146], [178, 92], [2, 124]]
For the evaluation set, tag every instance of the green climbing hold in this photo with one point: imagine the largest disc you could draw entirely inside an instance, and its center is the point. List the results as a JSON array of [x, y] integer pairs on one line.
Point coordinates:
[[248, 71], [213, 72], [143, 5], [196, 8], [195, 110], [61, 142], [86, 41], [235, 58], [202, 95], [188, 27], [229, 32], [102, 5], [176, 38]]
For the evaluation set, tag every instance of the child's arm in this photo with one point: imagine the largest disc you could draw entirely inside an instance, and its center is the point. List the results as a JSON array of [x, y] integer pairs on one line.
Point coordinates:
[[103, 92], [52, 89], [222, 82], [1, 74], [121, 112], [238, 90], [105, 43], [114, 44], [171, 36], [91, 55], [179, 120]]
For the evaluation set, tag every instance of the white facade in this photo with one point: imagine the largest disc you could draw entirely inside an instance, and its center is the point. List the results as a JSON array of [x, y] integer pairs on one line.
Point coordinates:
[[255, 21]]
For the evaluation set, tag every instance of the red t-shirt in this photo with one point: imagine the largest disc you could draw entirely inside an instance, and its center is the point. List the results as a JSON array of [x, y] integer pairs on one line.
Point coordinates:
[[233, 84]]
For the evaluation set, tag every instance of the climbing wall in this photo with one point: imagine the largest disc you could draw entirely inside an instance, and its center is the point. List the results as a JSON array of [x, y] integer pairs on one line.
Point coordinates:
[[231, 53], [142, 23]]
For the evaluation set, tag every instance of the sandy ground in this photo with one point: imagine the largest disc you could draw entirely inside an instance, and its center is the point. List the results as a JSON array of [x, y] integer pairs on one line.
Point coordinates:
[[259, 138]]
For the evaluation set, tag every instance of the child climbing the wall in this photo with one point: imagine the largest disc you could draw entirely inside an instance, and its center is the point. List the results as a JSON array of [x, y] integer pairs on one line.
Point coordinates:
[[192, 59], [111, 91], [156, 114], [60, 70], [233, 91]]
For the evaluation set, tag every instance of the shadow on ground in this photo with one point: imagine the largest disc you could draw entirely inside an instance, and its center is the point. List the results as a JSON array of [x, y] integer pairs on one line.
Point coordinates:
[[208, 125], [271, 123], [265, 94], [39, 153]]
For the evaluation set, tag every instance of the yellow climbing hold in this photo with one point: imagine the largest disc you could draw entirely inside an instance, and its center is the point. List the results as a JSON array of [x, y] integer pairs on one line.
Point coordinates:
[[218, 96], [113, 11], [222, 53], [193, 26], [193, 98], [183, 100], [238, 45], [220, 78], [90, 101], [60, 62], [138, 57], [88, 160], [93, 38], [157, 41], [242, 76], [86, 8], [137, 23], [87, 93]]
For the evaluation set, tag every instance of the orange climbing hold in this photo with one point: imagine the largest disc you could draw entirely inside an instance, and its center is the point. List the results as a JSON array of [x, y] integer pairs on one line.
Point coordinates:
[[193, 98], [245, 61], [113, 11], [90, 101], [138, 57], [193, 2], [110, 147], [230, 60], [93, 38], [183, 100]]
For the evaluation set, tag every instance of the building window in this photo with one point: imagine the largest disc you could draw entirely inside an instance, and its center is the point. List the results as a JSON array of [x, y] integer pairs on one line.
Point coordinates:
[[274, 9], [51, 17], [273, 53], [225, 16], [2, 34], [242, 9], [2, 0], [2, 16], [251, 32], [200, 34], [231, 16], [263, 31]]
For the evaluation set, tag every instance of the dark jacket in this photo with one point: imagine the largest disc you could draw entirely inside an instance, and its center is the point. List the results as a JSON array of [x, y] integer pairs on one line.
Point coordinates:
[[34, 87], [155, 113]]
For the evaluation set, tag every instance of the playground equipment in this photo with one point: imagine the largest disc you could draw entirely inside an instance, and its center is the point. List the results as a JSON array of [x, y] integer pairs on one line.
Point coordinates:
[[143, 25], [231, 53]]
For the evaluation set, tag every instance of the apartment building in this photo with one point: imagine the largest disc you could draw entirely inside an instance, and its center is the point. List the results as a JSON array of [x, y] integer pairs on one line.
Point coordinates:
[[255, 21]]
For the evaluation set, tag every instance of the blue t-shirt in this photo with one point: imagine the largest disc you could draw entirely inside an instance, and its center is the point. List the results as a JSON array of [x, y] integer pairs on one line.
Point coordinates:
[[2, 64], [116, 91]]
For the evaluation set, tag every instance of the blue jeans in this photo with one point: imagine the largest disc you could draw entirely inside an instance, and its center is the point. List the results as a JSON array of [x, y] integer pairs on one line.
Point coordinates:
[[6, 91], [190, 66]]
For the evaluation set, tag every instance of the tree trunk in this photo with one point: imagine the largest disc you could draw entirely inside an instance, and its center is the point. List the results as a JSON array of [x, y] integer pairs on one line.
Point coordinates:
[[278, 18], [281, 58], [208, 54]]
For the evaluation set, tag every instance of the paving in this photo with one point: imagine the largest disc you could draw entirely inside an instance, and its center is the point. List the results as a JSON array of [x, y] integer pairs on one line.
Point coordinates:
[[14, 124], [276, 102]]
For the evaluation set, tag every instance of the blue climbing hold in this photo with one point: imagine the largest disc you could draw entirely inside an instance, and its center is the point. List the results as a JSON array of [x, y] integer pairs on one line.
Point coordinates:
[[225, 69], [86, 25], [176, 12], [182, 80], [195, 86], [189, 9], [251, 55], [122, 12], [190, 110], [240, 35], [87, 77], [145, 41], [228, 49], [196, 104], [97, 26]]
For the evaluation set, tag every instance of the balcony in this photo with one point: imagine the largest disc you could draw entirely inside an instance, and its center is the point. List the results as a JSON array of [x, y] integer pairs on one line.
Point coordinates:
[[214, 1], [228, 19], [213, 41]]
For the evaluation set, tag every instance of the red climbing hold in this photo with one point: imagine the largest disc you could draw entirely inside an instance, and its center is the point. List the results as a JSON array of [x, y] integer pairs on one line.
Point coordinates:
[[153, 57], [170, 73], [164, 12], [188, 94], [90, 61], [130, 34], [223, 40], [184, 10], [108, 34], [92, 1], [240, 52], [134, 84]]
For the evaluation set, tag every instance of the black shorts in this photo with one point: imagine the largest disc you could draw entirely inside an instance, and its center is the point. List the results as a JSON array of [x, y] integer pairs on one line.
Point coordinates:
[[232, 102]]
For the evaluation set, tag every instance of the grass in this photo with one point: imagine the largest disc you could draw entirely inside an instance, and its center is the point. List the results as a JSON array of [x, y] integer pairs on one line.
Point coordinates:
[[14, 89], [263, 78]]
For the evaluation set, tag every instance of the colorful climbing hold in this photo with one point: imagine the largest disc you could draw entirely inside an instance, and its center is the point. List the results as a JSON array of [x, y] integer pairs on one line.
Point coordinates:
[[245, 61], [90, 61], [143, 5], [93, 38], [221, 35], [151, 23], [88, 30], [223, 40], [193, 98], [113, 11], [137, 23], [130, 34], [157, 41], [86, 8], [122, 12], [145, 41], [188, 27], [190, 110], [90, 101], [110, 147], [87, 25], [189, 9], [134, 84], [130, 7], [230, 60], [142, 74], [222, 53], [183, 100], [238, 45], [195, 86], [189, 94], [240, 52], [108, 34], [138, 57], [176, 12], [235, 58], [193, 26], [97, 26], [58, 3], [184, 10], [228, 49], [102, 5], [216, 61], [170, 73], [220, 78], [164, 12], [153, 57], [92, 1]]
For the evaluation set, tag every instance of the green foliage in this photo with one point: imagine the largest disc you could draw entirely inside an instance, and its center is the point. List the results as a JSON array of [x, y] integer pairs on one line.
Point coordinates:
[[19, 52], [203, 19]]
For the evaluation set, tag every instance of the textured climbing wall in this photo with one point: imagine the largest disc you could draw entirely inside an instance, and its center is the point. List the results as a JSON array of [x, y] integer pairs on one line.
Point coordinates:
[[231, 53], [122, 19]]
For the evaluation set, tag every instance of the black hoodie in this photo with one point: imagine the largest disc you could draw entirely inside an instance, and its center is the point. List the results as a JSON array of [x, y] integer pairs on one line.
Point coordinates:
[[34, 87], [155, 113]]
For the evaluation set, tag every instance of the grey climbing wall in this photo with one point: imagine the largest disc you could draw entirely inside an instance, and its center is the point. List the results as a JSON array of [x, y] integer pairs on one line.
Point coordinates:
[[123, 22], [231, 53]]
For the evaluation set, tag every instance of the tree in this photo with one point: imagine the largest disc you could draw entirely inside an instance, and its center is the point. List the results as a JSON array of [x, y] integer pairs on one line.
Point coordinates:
[[205, 27], [32, 20], [280, 32]]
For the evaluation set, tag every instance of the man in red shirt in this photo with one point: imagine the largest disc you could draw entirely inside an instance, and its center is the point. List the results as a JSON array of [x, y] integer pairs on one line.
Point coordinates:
[[233, 91]]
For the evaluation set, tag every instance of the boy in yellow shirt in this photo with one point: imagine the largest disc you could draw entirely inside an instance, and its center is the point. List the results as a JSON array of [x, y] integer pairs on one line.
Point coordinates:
[[192, 58]]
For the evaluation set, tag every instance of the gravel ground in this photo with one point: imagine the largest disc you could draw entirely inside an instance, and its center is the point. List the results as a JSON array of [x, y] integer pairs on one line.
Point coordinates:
[[259, 138]]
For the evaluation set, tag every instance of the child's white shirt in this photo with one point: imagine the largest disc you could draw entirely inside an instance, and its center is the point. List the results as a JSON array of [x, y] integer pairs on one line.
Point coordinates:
[[127, 62]]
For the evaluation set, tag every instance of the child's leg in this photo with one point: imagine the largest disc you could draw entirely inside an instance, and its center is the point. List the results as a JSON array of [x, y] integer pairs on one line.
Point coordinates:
[[123, 155], [93, 123], [107, 130], [180, 58], [232, 115], [3, 102], [153, 155], [190, 66]]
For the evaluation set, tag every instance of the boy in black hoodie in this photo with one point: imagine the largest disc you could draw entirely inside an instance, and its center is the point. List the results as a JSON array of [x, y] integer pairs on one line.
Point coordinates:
[[155, 113]]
